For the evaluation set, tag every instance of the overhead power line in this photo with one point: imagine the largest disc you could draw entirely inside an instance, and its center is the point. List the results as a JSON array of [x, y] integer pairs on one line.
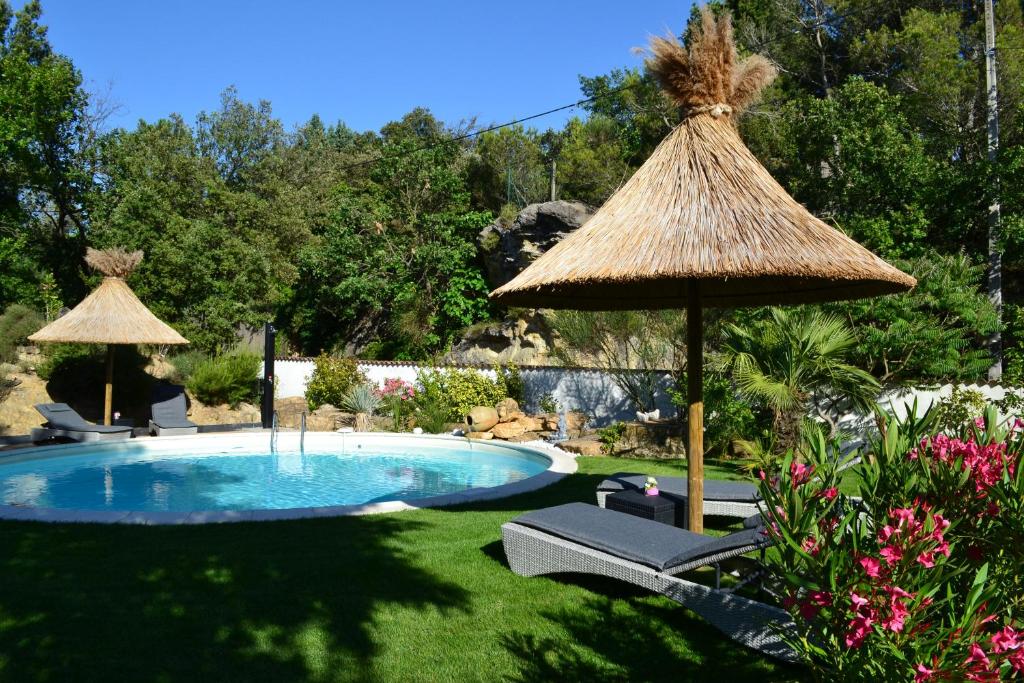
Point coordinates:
[[475, 133]]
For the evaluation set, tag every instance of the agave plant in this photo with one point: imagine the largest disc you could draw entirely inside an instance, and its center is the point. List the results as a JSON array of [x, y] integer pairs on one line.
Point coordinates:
[[361, 398]]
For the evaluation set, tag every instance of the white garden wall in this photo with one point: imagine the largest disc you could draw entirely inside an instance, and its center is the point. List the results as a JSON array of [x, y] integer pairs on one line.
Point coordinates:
[[591, 392], [595, 393]]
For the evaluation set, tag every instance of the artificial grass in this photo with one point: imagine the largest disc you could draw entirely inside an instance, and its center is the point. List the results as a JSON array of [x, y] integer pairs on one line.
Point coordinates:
[[414, 596]]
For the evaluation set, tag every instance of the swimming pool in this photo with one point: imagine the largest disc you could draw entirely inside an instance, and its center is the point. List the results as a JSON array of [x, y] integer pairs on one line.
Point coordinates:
[[236, 476]]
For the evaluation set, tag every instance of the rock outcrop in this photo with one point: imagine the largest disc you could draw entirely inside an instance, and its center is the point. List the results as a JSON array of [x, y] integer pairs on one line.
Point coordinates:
[[524, 340], [508, 249]]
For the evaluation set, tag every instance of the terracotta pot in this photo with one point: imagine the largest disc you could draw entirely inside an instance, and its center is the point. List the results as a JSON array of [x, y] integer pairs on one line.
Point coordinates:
[[481, 418]]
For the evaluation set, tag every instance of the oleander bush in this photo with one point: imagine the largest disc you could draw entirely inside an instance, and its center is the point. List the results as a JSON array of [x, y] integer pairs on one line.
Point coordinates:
[[332, 378], [398, 397], [230, 378], [916, 576]]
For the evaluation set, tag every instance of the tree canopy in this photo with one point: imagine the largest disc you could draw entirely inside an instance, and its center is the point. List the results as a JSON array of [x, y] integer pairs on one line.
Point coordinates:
[[366, 242]]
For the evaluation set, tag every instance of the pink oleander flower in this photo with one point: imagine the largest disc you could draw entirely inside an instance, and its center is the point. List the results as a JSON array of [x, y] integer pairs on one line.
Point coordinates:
[[923, 673], [810, 545], [891, 554], [926, 559], [871, 566], [800, 473], [977, 655], [857, 601], [1005, 640], [830, 493], [860, 627]]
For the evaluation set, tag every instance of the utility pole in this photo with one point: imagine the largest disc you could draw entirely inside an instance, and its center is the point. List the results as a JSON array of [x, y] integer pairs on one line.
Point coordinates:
[[553, 194], [995, 258]]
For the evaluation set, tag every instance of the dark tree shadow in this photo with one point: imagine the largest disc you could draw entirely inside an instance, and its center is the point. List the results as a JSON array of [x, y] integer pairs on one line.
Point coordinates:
[[624, 636], [274, 601]]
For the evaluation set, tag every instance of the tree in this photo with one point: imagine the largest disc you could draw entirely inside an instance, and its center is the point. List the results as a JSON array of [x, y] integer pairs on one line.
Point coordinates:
[[591, 164], [934, 332], [43, 178]]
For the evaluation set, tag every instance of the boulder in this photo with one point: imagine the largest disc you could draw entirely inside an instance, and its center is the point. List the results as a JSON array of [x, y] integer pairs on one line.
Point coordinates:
[[482, 418], [525, 437], [575, 421], [507, 408], [326, 409], [320, 423], [508, 249], [531, 424], [587, 445], [483, 436], [506, 430]]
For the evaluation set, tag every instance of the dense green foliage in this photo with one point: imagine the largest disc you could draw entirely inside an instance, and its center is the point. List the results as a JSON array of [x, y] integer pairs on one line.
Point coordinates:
[[454, 392], [228, 378], [332, 378], [364, 243], [16, 323]]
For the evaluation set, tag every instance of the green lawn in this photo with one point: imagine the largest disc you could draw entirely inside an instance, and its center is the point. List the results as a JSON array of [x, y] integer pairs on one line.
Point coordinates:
[[415, 596]]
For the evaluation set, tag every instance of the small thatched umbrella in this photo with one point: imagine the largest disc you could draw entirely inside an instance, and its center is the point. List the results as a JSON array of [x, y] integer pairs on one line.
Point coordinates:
[[110, 315], [702, 223]]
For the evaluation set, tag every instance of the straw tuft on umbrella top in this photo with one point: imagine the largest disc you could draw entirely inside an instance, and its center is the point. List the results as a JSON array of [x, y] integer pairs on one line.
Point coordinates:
[[702, 208], [110, 315], [702, 223]]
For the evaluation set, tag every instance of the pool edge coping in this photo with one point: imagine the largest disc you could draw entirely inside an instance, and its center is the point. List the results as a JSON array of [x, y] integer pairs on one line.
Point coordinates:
[[562, 464]]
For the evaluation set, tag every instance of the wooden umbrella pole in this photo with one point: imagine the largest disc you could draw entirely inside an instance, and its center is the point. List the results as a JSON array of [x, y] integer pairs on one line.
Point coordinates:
[[109, 396], [695, 399]]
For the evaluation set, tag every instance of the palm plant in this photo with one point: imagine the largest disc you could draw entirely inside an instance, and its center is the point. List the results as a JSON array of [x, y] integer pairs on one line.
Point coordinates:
[[794, 360]]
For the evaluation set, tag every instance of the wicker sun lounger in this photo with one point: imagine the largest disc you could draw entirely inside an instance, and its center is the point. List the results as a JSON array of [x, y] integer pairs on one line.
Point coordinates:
[[581, 538], [63, 421], [169, 412], [722, 498]]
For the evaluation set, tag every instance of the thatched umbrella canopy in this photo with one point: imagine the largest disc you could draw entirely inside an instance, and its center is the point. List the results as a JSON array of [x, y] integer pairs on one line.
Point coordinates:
[[702, 223], [110, 315]]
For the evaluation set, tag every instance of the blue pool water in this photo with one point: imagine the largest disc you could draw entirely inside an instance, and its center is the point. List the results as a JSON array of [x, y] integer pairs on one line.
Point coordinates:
[[136, 478]]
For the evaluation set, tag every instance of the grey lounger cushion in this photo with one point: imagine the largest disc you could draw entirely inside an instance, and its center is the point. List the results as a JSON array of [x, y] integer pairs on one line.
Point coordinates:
[[726, 491], [63, 417], [169, 408], [639, 540]]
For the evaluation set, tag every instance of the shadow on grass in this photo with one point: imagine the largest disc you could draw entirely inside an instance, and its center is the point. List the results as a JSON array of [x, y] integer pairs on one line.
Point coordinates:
[[625, 636], [278, 601]]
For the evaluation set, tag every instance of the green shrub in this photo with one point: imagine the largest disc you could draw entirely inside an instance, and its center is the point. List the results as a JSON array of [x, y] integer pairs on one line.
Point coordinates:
[[16, 324], [67, 358], [511, 380], [548, 404], [455, 392], [728, 419], [960, 407], [332, 378], [230, 379], [185, 364], [432, 418], [610, 436]]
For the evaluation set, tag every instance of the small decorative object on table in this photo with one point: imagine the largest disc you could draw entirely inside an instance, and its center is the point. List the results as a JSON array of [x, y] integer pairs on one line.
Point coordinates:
[[651, 487]]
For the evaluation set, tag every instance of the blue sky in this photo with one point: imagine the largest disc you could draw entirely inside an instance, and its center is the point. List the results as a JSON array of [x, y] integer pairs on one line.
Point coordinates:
[[364, 63]]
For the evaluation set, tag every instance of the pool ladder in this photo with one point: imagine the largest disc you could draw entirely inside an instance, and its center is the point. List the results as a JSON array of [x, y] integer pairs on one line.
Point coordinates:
[[302, 433], [273, 433]]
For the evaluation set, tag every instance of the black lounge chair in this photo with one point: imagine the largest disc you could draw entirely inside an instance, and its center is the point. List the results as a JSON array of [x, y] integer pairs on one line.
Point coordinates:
[[722, 498], [581, 538], [63, 421], [169, 412]]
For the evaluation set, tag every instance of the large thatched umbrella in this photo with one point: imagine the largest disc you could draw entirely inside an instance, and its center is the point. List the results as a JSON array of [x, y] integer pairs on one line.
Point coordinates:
[[110, 315], [702, 223]]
